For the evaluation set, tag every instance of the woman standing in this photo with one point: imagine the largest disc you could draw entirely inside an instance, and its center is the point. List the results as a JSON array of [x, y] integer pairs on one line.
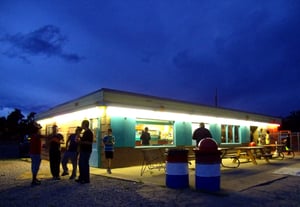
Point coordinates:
[[35, 152]]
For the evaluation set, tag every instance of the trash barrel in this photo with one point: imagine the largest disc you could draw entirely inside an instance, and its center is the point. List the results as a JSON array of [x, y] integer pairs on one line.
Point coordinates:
[[208, 169], [177, 173]]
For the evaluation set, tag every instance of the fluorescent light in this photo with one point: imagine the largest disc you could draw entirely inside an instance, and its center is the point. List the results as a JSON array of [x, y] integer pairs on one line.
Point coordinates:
[[162, 115], [97, 112], [90, 113]]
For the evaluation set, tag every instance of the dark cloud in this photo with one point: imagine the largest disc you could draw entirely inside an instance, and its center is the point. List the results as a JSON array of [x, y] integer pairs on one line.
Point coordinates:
[[46, 40], [72, 57]]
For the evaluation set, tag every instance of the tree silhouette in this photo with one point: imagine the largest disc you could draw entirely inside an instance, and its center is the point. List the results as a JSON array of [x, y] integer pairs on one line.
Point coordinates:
[[3, 128], [292, 122], [13, 124], [15, 127]]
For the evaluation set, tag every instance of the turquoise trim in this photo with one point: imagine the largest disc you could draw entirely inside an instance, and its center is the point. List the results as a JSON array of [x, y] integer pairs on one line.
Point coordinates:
[[95, 160], [183, 133], [124, 131], [245, 134], [215, 130]]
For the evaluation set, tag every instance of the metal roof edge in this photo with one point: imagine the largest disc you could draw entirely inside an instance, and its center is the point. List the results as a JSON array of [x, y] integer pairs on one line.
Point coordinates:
[[106, 96]]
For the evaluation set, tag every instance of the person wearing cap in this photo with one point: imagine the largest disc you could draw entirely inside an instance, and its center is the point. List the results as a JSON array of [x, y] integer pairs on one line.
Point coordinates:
[[55, 140], [71, 153]]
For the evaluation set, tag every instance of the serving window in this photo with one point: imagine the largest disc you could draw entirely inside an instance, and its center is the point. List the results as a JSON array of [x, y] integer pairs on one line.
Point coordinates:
[[161, 132]]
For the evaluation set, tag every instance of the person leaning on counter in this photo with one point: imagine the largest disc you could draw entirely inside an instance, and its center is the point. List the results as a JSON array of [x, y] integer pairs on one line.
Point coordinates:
[[145, 137]]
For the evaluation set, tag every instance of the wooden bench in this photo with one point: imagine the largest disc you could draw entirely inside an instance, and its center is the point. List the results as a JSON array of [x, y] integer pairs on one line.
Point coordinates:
[[233, 157], [267, 155]]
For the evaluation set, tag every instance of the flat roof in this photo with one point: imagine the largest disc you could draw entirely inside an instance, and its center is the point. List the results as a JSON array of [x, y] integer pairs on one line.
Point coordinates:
[[111, 97]]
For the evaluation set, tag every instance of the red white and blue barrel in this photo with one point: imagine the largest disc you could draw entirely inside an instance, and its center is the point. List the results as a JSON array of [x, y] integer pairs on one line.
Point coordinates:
[[208, 160], [177, 172]]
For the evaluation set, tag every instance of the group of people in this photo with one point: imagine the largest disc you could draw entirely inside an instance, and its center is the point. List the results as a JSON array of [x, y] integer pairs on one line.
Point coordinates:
[[78, 150], [79, 145]]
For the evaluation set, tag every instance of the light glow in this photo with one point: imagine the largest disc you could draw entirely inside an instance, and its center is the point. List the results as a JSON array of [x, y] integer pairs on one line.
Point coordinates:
[[90, 113], [97, 112], [162, 115]]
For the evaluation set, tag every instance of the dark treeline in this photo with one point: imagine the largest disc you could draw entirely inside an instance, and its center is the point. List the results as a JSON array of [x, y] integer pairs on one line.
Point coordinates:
[[291, 122], [15, 126]]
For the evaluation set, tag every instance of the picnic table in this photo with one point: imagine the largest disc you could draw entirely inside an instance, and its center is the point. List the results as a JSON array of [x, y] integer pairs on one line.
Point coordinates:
[[249, 152], [272, 147], [226, 153]]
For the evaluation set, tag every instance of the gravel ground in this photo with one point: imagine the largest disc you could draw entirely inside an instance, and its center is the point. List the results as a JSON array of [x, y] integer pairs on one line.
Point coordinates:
[[15, 190]]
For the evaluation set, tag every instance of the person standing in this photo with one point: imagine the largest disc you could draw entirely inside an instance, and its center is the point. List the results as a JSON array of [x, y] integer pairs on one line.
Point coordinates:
[[35, 152], [71, 153], [145, 137], [261, 137], [85, 146], [109, 142], [55, 140], [287, 142], [267, 138], [201, 133]]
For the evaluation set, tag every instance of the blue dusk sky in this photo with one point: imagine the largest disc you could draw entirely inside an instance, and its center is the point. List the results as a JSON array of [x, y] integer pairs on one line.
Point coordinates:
[[53, 51]]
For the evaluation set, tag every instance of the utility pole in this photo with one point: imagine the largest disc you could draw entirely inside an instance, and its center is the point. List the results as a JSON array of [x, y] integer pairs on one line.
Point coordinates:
[[216, 98]]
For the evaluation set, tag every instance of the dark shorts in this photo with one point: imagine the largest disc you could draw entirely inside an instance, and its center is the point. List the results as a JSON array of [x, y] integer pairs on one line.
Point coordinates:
[[109, 155]]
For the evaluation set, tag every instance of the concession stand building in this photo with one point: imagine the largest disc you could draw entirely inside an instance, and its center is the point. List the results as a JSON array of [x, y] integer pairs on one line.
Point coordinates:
[[170, 123]]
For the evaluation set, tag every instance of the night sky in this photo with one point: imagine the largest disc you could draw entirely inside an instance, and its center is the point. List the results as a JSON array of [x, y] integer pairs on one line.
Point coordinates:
[[245, 51]]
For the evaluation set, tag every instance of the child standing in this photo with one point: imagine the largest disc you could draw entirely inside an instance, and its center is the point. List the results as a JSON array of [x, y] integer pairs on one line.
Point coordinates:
[[109, 142]]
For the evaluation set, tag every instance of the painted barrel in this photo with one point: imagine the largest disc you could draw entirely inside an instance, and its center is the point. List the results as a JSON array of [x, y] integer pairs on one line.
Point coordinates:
[[208, 169], [177, 174]]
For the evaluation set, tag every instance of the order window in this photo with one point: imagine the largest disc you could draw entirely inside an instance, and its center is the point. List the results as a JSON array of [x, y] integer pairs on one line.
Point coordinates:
[[161, 132]]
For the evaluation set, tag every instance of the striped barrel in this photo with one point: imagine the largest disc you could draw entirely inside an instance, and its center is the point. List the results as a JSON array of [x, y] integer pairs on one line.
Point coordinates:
[[208, 160], [177, 175]]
